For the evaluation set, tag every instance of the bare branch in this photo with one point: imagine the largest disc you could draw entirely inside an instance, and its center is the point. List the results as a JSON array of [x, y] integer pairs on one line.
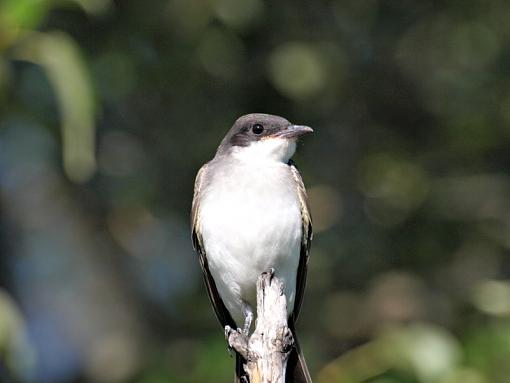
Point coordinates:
[[267, 349]]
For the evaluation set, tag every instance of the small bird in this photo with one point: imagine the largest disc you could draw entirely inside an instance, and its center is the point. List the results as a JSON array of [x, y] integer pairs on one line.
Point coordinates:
[[250, 214]]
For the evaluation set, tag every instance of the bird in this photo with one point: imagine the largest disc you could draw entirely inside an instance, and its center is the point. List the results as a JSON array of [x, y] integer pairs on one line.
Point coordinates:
[[250, 214]]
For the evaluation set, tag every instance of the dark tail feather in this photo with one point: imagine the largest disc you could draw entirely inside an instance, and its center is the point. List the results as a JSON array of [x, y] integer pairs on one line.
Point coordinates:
[[297, 371], [240, 361]]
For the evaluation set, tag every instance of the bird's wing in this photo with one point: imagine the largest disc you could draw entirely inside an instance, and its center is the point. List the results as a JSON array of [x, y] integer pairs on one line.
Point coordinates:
[[306, 240], [219, 307]]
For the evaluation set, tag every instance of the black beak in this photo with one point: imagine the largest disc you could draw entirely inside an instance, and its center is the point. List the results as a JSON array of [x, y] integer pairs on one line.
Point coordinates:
[[293, 131]]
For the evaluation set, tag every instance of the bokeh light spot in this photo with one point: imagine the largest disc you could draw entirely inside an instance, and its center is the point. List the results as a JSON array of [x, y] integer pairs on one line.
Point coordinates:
[[238, 13], [427, 350], [493, 297], [298, 70]]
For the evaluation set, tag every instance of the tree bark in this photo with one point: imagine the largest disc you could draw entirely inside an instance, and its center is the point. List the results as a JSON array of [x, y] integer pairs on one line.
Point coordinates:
[[267, 349]]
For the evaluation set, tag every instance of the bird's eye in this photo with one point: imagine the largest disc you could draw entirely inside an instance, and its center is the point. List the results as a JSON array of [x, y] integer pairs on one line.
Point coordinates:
[[257, 129]]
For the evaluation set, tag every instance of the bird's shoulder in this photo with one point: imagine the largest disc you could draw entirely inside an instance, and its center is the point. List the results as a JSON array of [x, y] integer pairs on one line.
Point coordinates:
[[195, 206], [303, 199]]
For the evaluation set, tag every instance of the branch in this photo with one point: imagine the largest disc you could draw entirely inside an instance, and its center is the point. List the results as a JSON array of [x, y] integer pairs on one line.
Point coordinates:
[[267, 349]]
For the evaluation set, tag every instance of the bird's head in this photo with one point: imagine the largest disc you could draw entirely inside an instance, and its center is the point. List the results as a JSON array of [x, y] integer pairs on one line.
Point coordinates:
[[258, 137]]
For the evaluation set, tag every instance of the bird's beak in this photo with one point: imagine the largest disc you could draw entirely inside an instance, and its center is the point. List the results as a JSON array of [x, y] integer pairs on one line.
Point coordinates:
[[293, 131]]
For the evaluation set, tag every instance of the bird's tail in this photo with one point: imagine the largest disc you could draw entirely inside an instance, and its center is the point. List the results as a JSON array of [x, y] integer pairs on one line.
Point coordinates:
[[297, 371], [240, 361]]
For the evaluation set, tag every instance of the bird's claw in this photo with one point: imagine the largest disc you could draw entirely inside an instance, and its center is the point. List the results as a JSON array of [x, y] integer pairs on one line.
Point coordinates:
[[228, 331]]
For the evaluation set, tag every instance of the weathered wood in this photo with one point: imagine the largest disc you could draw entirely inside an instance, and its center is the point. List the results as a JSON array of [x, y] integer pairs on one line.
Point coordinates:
[[267, 349]]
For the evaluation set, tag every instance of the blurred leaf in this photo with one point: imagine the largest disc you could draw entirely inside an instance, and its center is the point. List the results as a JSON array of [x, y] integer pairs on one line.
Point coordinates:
[[18, 17], [22, 13], [61, 59], [488, 350], [15, 348]]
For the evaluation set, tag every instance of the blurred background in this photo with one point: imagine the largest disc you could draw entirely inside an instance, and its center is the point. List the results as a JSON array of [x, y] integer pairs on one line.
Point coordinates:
[[109, 108]]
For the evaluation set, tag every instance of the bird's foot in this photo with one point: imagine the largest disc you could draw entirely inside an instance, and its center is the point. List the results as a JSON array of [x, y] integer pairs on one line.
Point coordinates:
[[230, 349], [237, 341]]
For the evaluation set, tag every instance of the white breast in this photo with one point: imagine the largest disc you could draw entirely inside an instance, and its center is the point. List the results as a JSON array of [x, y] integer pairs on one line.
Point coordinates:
[[250, 221]]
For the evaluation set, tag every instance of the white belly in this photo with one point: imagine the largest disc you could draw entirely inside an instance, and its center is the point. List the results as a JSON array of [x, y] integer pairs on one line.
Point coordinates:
[[250, 222]]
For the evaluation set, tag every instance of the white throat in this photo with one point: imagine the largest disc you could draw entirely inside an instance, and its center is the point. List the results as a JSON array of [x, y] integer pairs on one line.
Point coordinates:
[[269, 149]]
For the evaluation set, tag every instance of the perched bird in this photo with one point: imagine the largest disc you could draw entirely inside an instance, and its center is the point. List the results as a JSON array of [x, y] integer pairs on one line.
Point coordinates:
[[250, 214]]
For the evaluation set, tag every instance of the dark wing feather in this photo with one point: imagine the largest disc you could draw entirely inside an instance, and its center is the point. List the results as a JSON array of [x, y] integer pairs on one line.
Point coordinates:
[[219, 307], [305, 242]]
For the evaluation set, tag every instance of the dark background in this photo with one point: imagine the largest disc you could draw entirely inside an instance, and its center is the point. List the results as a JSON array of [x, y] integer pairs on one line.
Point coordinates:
[[108, 109]]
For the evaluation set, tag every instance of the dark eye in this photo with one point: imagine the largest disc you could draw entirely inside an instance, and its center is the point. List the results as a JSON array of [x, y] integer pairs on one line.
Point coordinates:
[[257, 129]]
